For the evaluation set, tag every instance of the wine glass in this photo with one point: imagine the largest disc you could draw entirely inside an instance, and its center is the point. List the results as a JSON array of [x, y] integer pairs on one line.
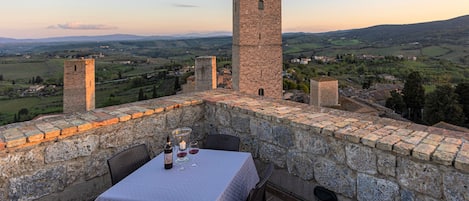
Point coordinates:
[[194, 149]]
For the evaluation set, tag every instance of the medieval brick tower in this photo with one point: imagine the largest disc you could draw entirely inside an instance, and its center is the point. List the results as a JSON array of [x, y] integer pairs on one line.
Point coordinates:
[[257, 47], [79, 87], [205, 73]]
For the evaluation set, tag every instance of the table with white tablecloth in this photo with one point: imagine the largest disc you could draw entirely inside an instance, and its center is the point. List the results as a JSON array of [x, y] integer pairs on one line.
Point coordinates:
[[218, 175]]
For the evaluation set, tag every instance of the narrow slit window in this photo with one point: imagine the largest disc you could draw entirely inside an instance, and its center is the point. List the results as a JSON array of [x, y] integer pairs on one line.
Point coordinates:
[[75, 67], [261, 4], [261, 92]]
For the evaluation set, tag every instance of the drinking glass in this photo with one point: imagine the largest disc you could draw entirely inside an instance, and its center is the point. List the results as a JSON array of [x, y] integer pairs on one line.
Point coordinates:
[[181, 137], [194, 149]]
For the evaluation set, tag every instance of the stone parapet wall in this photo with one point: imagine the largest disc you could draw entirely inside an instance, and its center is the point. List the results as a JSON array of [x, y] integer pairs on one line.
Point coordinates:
[[64, 157], [360, 157]]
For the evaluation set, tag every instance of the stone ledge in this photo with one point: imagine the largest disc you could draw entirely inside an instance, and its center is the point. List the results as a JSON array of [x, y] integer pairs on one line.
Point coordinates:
[[462, 158], [3, 145], [63, 126], [14, 137], [407, 139]]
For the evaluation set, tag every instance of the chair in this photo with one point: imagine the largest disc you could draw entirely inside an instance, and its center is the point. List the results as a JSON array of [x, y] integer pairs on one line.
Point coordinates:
[[324, 194], [222, 142], [258, 192], [125, 162]]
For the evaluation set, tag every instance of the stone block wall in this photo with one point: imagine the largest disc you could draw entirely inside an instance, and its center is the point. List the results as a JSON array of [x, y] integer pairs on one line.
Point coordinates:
[[357, 156], [64, 157]]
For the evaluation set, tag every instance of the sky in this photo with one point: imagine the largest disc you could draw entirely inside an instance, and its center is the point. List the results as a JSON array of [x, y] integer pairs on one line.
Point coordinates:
[[51, 18]]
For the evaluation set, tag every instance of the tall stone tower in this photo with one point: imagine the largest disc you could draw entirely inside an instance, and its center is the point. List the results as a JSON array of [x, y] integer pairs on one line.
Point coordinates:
[[257, 47], [79, 86], [205, 73]]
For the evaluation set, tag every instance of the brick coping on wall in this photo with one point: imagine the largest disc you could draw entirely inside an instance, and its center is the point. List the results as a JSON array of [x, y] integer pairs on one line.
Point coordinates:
[[450, 148]]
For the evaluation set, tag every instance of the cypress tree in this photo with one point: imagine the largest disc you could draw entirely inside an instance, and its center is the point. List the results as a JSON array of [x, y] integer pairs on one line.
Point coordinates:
[[442, 105], [141, 95], [414, 96]]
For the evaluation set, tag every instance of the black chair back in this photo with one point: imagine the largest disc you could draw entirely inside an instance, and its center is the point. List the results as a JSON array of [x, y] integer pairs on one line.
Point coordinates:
[[258, 192], [324, 194], [125, 162], [222, 142]]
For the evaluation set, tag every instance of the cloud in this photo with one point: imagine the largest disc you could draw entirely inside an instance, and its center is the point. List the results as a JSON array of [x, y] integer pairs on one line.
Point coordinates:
[[80, 26], [184, 5]]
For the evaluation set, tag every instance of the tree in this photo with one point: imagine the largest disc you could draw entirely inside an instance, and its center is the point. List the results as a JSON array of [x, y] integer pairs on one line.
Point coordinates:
[[177, 85], [38, 79], [303, 87], [368, 83], [395, 102], [442, 105], [414, 96], [154, 94], [141, 95], [462, 90], [289, 84], [23, 111]]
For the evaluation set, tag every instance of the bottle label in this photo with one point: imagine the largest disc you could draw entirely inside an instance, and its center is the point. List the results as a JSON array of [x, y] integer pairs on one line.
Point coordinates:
[[168, 158]]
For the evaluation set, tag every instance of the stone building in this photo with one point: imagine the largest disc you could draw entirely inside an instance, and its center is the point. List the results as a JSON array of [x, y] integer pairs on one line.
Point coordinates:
[[205, 73], [257, 47], [79, 85], [324, 91]]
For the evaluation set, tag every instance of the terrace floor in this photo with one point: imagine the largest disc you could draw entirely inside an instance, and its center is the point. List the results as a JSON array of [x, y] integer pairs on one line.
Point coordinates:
[[275, 194]]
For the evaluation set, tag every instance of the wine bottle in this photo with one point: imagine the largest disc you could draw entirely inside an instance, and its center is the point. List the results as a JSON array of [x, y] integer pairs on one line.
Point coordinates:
[[168, 154]]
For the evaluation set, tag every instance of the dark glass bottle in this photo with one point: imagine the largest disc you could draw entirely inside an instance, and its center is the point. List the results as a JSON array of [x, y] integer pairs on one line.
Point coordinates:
[[168, 154]]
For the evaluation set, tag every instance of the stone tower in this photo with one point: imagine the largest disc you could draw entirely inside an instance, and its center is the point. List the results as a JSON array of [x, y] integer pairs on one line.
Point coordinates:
[[205, 73], [79, 86], [324, 91], [257, 47]]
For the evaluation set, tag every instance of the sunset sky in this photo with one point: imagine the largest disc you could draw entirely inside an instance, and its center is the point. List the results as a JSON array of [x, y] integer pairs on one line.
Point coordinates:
[[50, 18]]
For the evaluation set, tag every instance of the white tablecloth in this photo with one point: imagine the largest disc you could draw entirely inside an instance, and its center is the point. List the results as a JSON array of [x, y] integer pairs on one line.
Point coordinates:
[[219, 175]]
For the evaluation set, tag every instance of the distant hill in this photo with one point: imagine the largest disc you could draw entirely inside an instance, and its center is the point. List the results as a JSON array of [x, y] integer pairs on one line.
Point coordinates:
[[7, 40], [454, 30], [445, 39], [113, 37]]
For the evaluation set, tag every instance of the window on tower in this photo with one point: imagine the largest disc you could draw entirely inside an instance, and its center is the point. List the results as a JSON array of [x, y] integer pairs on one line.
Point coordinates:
[[260, 92], [261, 4], [75, 67]]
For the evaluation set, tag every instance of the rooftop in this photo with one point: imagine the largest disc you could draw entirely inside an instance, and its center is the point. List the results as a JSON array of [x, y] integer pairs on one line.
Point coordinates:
[[359, 157]]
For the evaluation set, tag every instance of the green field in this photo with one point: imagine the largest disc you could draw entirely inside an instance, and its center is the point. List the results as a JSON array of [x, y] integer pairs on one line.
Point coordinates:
[[345, 42], [25, 70], [435, 51]]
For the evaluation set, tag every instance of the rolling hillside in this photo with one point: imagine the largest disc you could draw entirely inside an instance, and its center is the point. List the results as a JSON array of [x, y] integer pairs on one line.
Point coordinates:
[[453, 31], [447, 39]]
